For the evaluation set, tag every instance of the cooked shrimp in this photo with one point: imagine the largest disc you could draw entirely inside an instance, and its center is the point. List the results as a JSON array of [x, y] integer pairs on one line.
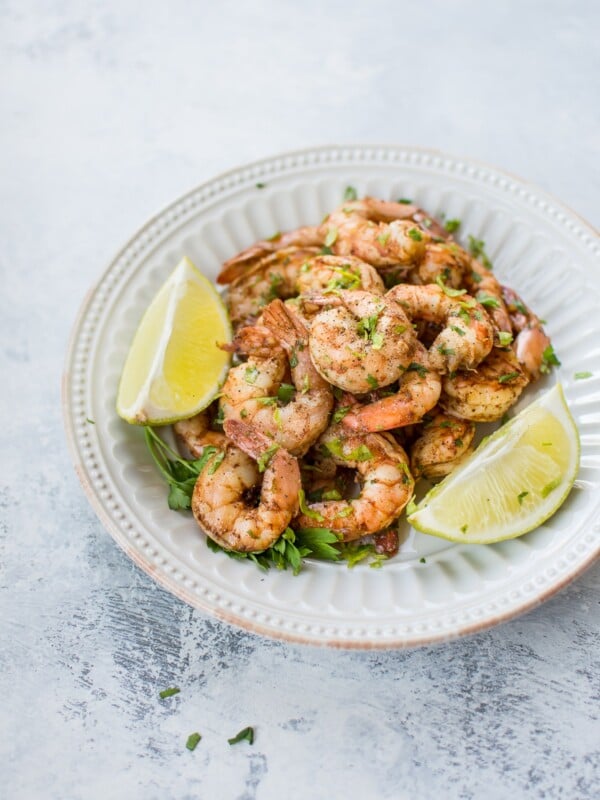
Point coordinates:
[[375, 231], [418, 392], [360, 341], [485, 394], [443, 260], [468, 333], [194, 434], [224, 499], [252, 391], [274, 276], [238, 266], [531, 343], [486, 288], [444, 442], [386, 485], [331, 273]]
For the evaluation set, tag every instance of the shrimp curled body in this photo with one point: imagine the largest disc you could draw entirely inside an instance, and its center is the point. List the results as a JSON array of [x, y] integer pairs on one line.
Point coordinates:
[[382, 469], [222, 501]]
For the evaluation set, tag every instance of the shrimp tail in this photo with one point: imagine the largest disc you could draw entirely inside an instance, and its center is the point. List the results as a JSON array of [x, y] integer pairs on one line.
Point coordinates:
[[285, 325], [250, 440]]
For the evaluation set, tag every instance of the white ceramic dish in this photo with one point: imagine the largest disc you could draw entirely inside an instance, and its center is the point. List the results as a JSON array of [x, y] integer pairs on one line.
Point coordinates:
[[539, 247]]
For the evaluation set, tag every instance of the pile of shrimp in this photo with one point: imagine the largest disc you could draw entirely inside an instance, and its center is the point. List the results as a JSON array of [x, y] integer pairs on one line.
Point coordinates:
[[365, 349]]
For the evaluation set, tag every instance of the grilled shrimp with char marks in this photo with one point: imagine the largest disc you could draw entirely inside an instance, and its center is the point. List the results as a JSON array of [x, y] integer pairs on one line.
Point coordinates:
[[233, 506], [386, 484], [359, 341], [468, 334], [485, 394], [443, 444], [418, 392]]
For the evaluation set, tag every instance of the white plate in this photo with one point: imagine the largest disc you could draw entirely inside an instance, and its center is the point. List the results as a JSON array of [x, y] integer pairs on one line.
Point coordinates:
[[538, 247]]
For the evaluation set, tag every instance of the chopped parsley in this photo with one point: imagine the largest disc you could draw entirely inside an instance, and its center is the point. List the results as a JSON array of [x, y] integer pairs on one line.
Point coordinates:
[[373, 382], [353, 553], [415, 234], [181, 474], [260, 185], [504, 338], [340, 413], [508, 376], [477, 249], [448, 290], [452, 225], [91, 421], [193, 738], [487, 300], [360, 453], [326, 250], [457, 330], [263, 460], [169, 692], [406, 201], [418, 368], [446, 351], [250, 375], [422, 560], [245, 735], [582, 376], [308, 512], [285, 393], [549, 359], [350, 193], [521, 497], [383, 238], [464, 528]]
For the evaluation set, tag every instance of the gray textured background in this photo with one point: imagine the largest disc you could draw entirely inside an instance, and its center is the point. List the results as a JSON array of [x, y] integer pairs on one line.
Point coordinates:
[[111, 110]]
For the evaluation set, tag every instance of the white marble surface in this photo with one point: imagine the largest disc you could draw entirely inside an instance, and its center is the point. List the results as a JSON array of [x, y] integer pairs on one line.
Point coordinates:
[[109, 111]]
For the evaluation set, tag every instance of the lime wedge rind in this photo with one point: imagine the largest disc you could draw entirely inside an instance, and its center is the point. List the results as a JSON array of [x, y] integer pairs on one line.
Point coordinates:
[[142, 379], [511, 477]]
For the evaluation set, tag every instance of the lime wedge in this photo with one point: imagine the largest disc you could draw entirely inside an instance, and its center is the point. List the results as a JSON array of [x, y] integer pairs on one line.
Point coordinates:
[[174, 368], [515, 480]]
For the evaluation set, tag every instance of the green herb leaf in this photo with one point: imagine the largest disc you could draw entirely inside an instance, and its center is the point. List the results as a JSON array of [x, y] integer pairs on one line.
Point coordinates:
[[91, 421], [448, 290], [464, 528], [422, 561], [308, 512], [507, 377], [326, 250], [418, 368], [415, 234], [406, 201], [487, 300], [192, 741], [582, 376], [350, 193], [169, 692], [504, 338], [251, 374], [245, 735], [477, 249], [549, 359], [263, 460], [383, 238], [521, 497], [452, 225], [340, 413], [319, 541], [260, 185], [458, 330], [373, 382], [331, 494], [286, 392]]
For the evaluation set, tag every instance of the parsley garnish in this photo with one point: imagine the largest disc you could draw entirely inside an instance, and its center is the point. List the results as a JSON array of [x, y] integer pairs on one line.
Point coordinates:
[[418, 368], [354, 553], [487, 300], [309, 512], [260, 185], [477, 249], [245, 735], [464, 528], [192, 741], [582, 376], [457, 330], [373, 382], [180, 474], [406, 201], [415, 235], [447, 290], [168, 692], [383, 238], [263, 460], [504, 338], [549, 359], [285, 393], [326, 250], [340, 413], [422, 560], [360, 453], [350, 193], [452, 225], [521, 497], [445, 351], [509, 376], [91, 421], [250, 375]]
